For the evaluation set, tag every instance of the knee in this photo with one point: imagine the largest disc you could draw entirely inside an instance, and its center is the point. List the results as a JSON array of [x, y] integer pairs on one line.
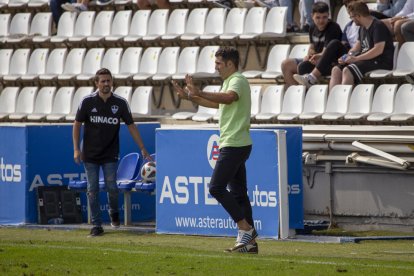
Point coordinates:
[[347, 73], [215, 191], [144, 5], [336, 71]]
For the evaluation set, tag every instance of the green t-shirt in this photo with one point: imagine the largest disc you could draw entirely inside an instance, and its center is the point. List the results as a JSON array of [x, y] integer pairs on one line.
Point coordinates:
[[235, 117]]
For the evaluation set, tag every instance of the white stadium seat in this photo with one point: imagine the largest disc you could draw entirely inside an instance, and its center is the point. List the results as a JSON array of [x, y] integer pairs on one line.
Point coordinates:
[[176, 24], [18, 65], [275, 24], [315, 102], [195, 24], [338, 102], [37, 64], [80, 93], [61, 104], [124, 92], [25, 103], [83, 27], [141, 101], [292, 105], [254, 23], [65, 28], [73, 64], [129, 63], [157, 24], [360, 102], [120, 26], [101, 26], [383, 103], [43, 103], [271, 104], [187, 62], [203, 113], [215, 21], [19, 26], [234, 24], [112, 60], [91, 64], [206, 66], [8, 99], [55, 64], [256, 99], [149, 64], [139, 26], [5, 57], [167, 63], [403, 106]]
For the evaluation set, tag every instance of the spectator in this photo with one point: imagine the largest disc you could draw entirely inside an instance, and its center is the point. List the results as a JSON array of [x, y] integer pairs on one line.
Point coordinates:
[[407, 30], [374, 49], [390, 8], [320, 34], [335, 49], [305, 10], [147, 4], [394, 24]]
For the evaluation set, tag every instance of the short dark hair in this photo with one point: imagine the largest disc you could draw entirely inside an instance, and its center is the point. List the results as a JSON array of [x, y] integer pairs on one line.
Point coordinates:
[[229, 53], [358, 8], [320, 7], [102, 71]]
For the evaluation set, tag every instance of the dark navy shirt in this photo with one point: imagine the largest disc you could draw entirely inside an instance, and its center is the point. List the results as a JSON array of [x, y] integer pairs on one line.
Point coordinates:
[[321, 39], [102, 122]]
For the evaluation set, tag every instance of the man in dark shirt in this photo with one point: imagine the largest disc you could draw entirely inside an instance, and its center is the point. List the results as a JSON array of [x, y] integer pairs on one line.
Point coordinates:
[[101, 112], [373, 50], [320, 34]]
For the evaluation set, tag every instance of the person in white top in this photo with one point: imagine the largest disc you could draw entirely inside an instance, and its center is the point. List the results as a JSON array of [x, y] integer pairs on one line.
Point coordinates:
[[395, 23]]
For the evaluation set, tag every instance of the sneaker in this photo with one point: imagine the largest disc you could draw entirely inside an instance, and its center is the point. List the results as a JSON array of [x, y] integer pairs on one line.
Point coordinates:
[[244, 238], [96, 231], [75, 7], [304, 80], [251, 248], [115, 220]]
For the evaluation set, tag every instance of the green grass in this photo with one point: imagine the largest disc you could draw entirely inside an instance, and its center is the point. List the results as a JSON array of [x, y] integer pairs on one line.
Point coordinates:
[[59, 252]]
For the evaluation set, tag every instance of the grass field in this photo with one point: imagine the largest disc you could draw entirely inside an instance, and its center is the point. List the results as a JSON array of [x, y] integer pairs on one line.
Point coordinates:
[[62, 252]]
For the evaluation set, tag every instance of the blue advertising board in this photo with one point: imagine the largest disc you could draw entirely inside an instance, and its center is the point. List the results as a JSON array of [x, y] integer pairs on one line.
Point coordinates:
[[45, 156], [185, 160]]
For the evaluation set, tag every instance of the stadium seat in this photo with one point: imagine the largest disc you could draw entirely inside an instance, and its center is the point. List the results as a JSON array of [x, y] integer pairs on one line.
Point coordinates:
[[338, 102], [176, 24], [25, 103], [382, 73], [277, 54], [4, 26], [91, 64], [141, 101], [3, 3], [234, 24], [271, 104], [214, 26], [292, 105], [101, 26], [256, 99], [383, 103], [18, 65], [43, 103], [139, 26], [129, 63], [73, 64], [19, 27], [275, 24], [405, 61], [157, 25], [124, 92], [120, 26], [315, 102], [5, 57], [206, 66], [83, 27], [403, 106], [65, 28], [40, 28], [167, 63], [61, 104], [187, 62], [8, 99], [195, 24], [17, 3], [112, 60], [37, 64], [343, 17], [54, 64], [80, 93], [128, 171], [148, 65], [299, 51], [203, 113], [360, 102], [254, 23]]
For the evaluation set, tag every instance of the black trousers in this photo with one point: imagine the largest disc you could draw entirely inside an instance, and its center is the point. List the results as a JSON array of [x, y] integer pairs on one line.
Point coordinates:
[[329, 59], [230, 171]]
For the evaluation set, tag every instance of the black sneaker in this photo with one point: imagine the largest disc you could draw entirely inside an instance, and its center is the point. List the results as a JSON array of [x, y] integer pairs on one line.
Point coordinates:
[[251, 248], [115, 220], [96, 231]]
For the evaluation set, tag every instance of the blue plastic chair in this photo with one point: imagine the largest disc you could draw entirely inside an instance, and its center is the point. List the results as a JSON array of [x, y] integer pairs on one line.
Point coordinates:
[[128, 171]]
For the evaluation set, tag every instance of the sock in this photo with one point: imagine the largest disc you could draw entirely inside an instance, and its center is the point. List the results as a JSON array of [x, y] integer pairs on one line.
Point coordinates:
[[312, 79]]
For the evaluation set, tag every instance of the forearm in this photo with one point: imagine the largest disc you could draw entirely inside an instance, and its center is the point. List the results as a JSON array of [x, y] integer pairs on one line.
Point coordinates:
[[136, 136], [372, 53], [75, 135], [203, 102]]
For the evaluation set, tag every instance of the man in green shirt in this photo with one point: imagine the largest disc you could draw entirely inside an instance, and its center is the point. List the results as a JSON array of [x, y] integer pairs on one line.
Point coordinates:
[[235, 143]]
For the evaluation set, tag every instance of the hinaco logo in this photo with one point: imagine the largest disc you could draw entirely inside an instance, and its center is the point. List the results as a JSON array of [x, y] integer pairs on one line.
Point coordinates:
[[213, 150]]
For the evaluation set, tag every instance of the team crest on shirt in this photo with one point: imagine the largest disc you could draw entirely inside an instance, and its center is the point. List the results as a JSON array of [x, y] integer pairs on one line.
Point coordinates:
[[114, 109]]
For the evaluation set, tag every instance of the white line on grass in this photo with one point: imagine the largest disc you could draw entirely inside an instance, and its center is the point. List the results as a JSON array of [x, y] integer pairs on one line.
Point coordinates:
[[230, 256]]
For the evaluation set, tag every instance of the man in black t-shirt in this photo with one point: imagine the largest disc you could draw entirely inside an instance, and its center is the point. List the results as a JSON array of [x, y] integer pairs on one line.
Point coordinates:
[[373, 50], [101, 112], [320, 34]]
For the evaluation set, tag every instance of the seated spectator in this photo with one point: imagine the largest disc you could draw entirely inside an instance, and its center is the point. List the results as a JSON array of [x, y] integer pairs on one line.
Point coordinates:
[[321, 33], [305, 10], [390, 8], [407, 30], [147, 4], [335, 49], [291, 26], [394, 24], [374, 49]]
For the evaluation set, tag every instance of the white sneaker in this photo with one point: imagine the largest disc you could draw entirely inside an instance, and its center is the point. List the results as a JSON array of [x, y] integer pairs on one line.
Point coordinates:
[[303, 79], [75, 7], [245, 237]]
